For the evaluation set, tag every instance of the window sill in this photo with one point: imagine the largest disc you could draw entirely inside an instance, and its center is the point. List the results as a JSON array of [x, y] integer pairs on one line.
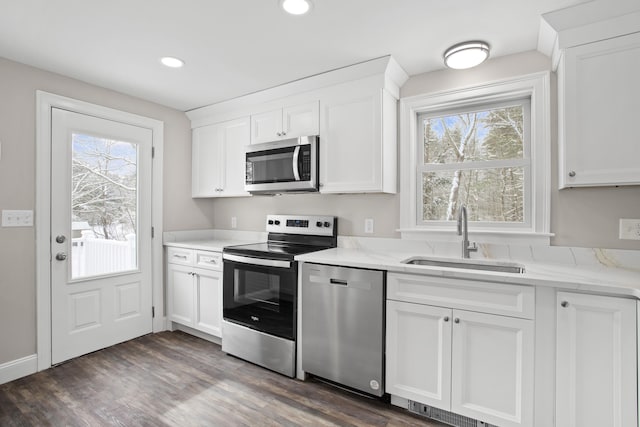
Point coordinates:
[[477, 235]]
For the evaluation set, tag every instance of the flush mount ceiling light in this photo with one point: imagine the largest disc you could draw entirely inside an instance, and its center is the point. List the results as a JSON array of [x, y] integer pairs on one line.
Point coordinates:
[[172, 62], [296, 7], [466, 55]]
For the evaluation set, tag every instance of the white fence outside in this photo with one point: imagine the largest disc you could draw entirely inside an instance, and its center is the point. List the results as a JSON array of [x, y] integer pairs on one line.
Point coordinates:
[[91, 256]]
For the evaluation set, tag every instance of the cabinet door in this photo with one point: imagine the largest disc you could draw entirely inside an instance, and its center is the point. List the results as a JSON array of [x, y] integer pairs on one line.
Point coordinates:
[[266, 127], [208, 286], [181, 294], [205, 158], [596, 373], [418, 363], [301, 120], [235, 137], [599, 106], [492, 368], [352, 143]]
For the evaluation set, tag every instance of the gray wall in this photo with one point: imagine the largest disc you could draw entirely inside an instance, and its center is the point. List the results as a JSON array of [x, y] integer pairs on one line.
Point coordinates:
[[18, 84], [586, 217]]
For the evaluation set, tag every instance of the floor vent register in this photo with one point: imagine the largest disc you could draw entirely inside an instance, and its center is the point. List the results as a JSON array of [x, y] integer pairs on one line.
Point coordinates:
[[445, 416]]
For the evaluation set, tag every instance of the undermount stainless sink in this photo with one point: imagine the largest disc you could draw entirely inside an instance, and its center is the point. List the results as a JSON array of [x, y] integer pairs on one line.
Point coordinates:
[[485, 265]]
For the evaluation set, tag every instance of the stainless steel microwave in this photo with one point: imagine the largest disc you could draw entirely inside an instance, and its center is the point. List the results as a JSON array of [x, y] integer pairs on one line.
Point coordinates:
[[289, 165]]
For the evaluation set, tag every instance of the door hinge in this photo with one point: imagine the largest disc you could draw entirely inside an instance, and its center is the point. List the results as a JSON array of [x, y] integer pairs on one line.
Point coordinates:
[[153, 232], [153, 152], [153, 312]]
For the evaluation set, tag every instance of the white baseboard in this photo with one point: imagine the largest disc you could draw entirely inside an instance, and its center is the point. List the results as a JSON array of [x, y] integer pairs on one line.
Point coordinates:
[[18, 368]]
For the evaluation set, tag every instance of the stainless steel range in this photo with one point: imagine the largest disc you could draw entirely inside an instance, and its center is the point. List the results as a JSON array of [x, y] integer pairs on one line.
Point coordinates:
[[260, 290]]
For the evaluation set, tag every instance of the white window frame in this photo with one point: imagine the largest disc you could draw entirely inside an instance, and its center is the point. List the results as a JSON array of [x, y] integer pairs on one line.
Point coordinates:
[[536, 87]]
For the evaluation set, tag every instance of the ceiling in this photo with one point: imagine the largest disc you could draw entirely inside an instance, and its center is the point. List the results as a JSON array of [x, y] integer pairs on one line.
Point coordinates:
[[236, 47]]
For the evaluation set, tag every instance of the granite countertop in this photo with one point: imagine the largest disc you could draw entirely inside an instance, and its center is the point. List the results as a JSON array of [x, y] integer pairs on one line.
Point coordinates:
[[215, 245], [211, 240], [612, 272], [602, 277]]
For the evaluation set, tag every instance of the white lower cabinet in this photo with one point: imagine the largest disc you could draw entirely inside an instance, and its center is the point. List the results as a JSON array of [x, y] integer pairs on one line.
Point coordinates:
[[596, 361], [194, 282], [479, 365]]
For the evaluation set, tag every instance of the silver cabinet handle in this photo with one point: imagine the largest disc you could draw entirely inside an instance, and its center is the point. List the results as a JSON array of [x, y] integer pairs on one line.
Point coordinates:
[[284, 133], [565, 304], [572, 174], [180, 256], [456, 320], [60, 239], [61, 256], [279, 133], [446, 318]]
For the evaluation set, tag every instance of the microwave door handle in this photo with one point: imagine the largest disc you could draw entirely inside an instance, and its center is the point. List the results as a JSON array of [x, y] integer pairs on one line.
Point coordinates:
[[296, 172]]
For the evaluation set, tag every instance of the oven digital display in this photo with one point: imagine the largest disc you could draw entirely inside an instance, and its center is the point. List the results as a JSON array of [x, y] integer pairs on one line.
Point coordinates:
[[298, 223]]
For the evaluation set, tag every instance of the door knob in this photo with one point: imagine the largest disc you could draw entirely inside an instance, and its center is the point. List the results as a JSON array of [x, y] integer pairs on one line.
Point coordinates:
[[61, 256], [60, 239]]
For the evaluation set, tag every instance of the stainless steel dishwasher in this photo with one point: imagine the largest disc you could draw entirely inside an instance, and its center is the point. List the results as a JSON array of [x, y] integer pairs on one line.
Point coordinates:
[[343, 326]]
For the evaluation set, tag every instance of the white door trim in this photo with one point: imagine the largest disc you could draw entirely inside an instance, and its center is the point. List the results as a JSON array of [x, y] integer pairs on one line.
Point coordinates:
[[44, 103]]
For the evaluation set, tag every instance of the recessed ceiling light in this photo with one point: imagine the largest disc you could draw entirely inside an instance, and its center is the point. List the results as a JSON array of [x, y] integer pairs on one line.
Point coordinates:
[[466, 55], [172, 62], [296, 7]]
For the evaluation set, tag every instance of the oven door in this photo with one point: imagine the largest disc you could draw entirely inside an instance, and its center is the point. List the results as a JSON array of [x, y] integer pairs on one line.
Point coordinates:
[[260, 294]]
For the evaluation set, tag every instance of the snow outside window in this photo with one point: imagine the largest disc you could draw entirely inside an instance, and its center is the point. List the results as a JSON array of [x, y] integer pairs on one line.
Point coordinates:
[[477, 156]]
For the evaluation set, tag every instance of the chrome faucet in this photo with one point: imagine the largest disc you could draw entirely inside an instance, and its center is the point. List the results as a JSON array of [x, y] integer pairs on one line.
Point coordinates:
[[464, 232]]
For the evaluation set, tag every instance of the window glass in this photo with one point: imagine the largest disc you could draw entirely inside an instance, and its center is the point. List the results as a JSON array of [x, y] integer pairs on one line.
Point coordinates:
[[477, 157]]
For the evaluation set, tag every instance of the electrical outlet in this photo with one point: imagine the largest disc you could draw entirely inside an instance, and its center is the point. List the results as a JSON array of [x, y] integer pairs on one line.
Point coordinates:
[[12, 218], [629, 229], [234, 222], [368, 225]]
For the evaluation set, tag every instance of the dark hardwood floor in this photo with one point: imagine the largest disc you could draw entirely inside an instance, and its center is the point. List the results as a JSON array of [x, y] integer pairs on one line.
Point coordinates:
[[174, 379]]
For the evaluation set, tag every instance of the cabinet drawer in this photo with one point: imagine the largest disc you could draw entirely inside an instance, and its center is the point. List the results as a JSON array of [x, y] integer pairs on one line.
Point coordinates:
[[209, 260], [485, 297], [180, 256]]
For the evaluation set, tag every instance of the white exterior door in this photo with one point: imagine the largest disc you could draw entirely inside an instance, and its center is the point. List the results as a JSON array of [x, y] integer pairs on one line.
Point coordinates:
[[101, 290]]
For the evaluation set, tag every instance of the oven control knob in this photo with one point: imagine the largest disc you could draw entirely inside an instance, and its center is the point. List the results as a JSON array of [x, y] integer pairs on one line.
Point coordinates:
[[327, 224], [270, 222], [277, 222], [319, 224]]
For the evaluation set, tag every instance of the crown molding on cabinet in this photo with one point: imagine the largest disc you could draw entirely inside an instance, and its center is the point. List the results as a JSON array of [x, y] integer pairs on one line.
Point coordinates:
[[386, 68], [586, 23]]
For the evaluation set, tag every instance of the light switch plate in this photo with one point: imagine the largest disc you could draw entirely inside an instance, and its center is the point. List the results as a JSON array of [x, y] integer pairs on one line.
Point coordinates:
[[234, 222], [629, 229], [12, 218]]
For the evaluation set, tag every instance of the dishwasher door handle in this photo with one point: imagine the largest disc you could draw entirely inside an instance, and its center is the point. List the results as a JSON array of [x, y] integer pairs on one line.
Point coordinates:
[[338, 282]]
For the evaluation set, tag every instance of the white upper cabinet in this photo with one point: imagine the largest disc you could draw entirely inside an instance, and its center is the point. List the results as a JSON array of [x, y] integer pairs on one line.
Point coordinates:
[[285, 123], [218, 162], [358, 144], [352, 109], [595, 49], [599, 105]]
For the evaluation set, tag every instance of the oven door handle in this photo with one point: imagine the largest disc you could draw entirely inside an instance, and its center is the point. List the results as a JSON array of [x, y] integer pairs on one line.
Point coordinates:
[[257, 261]]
